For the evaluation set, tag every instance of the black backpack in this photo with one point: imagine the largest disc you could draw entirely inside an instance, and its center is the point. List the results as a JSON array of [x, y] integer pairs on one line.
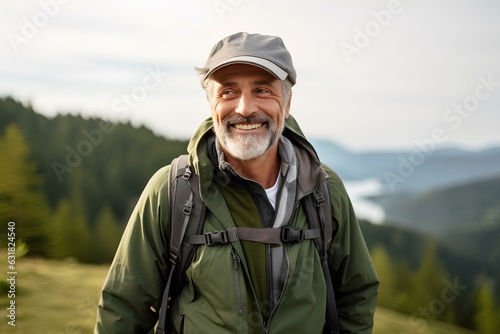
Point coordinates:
[[187, 213]]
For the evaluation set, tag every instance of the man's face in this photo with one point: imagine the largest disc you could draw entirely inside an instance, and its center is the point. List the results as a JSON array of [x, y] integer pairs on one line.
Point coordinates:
[[248, 110]]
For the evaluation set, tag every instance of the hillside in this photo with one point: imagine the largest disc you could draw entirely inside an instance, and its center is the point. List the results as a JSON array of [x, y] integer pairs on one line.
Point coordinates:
[[480, 242], [464, 219], [426, 167], [463, 253], [61, 297], [108, 163], [448, 208]]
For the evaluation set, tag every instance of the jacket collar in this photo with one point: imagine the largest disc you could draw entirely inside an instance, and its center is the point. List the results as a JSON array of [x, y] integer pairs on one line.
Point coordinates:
[[203, 156]]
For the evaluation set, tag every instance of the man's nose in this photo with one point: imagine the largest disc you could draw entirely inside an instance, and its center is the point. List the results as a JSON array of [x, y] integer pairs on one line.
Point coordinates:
[[246, 105]]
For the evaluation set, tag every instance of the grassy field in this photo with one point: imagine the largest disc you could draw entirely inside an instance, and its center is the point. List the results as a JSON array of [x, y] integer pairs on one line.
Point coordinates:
[[55, 297]]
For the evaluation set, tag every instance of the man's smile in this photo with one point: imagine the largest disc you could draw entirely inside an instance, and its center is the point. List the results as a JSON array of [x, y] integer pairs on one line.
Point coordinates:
[[247, 126]]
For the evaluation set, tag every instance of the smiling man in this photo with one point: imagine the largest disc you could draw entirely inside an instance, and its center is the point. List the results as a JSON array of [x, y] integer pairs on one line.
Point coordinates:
[[249, 108], [272, 272]]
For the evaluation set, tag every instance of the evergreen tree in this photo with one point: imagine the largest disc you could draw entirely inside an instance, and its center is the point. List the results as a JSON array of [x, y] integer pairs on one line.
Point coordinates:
[[487, 315], [387, 277], [21, 198], [396, 290], [108, 234], [404, 281], [70, 234], [429, 284]]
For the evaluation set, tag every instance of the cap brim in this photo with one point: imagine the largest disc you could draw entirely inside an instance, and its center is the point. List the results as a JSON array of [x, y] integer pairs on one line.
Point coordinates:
[[259, 62]]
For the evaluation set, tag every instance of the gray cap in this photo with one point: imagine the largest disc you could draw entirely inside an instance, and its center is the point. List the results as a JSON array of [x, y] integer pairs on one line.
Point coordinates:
[[267, 52]]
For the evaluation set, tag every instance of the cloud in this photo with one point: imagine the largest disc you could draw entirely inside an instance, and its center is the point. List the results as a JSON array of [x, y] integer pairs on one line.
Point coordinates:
[[394, 90]]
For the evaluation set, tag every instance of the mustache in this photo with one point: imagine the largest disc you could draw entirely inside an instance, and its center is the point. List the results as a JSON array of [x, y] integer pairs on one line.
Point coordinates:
[[238, 119]]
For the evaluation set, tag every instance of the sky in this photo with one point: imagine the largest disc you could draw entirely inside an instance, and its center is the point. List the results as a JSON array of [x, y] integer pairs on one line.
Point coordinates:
[[372, 75]]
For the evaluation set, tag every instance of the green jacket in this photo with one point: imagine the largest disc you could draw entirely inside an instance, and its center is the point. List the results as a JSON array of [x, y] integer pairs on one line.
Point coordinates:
[[218, 292]]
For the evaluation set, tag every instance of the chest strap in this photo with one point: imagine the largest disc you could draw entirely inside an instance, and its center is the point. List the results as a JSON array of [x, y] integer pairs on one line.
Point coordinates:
[[263, 235]]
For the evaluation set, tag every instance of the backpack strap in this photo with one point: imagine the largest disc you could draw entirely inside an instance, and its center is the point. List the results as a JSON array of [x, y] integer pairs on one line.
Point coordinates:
[[319, 215], [187, 213], [262, 235]]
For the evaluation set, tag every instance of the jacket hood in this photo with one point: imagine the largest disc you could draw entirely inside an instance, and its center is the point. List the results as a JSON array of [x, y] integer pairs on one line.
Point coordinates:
[[309, 162]]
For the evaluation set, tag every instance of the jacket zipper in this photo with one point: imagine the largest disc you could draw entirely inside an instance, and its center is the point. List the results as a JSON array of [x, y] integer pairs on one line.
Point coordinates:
[[269, 268], [236, 269], [269, 274], [270, 280], [287, 259]]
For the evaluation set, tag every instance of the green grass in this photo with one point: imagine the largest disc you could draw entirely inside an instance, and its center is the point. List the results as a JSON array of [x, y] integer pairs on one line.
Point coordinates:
[[391, 322], [54, 297]]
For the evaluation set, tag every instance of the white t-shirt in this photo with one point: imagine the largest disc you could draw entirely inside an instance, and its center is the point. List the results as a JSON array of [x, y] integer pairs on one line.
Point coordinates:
[[272, 192]]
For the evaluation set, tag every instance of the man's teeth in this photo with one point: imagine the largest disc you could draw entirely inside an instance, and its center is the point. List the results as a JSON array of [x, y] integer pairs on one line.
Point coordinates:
[[247, 126]]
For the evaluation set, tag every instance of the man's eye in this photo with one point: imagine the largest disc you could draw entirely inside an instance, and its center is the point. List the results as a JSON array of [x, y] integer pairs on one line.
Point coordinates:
[[262, 91], [227, 93]]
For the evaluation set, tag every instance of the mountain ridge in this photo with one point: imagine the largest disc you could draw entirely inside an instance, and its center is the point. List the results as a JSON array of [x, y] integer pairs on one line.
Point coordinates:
[[447, 208], [412, 171]]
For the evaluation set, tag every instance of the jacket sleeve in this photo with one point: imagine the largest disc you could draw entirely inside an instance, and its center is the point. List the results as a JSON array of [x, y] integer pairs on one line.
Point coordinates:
[[354, 277], [131, 295]]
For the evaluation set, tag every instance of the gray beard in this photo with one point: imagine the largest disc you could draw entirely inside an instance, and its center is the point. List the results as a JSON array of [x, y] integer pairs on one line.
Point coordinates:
[[247, 147]]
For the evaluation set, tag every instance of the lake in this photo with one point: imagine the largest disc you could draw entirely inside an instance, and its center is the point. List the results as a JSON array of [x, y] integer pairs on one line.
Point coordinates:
[[365, 209]]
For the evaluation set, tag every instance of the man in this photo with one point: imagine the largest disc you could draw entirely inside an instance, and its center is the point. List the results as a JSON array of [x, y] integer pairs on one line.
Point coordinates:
[[254, 167]]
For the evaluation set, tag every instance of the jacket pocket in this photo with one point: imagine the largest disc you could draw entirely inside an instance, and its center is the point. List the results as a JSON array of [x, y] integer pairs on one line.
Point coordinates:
[[181, 328], [236, 270]]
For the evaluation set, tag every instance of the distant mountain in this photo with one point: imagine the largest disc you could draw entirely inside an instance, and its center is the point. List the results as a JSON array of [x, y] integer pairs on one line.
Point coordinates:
[[451, 195], [478, 241], [422, 169], [402, 243], [475, 204], [462, 254]]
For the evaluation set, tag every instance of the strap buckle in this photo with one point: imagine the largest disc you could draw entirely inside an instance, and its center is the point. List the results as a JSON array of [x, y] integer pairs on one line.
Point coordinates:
[[188, 207], [292, 234], [187, 173], [319, 198], [216, 238]]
